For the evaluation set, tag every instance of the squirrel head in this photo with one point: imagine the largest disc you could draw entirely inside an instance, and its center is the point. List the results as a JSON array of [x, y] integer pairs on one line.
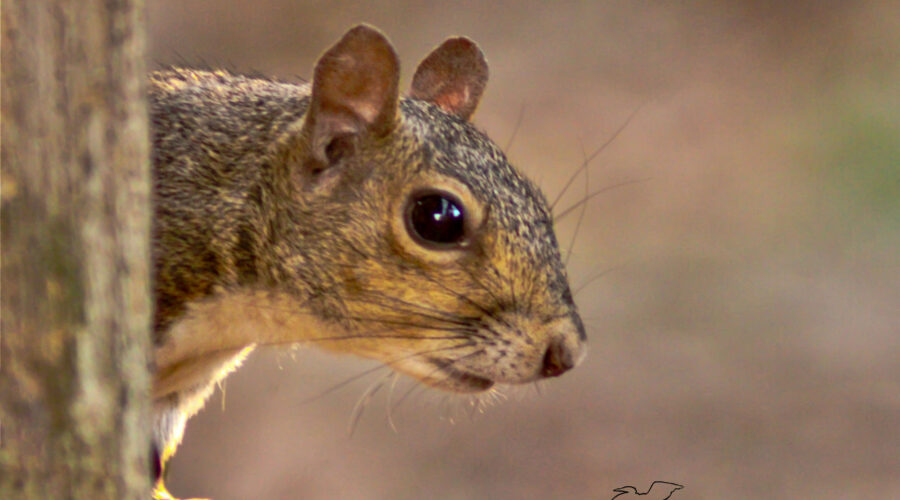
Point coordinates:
[[408, 227]]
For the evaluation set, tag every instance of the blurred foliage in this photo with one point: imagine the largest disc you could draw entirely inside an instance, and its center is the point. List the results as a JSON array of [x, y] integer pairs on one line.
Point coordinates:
[[862, 162]]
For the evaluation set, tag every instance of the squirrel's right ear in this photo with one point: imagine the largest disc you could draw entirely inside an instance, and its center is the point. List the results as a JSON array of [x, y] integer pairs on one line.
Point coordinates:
[[355, 91]]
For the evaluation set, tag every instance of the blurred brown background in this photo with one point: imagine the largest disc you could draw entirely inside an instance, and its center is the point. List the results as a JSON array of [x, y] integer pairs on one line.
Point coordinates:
[[745, 338]]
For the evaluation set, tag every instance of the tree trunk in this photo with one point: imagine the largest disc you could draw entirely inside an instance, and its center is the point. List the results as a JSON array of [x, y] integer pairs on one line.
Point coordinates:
[[74, 392]]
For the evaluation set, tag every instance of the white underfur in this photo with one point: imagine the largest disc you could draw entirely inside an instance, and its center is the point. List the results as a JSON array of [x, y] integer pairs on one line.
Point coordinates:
[[170, 413], [210, 341]]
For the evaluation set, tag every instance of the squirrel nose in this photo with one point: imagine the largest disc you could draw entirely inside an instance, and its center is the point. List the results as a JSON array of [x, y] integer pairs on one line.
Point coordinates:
[[558, 359]]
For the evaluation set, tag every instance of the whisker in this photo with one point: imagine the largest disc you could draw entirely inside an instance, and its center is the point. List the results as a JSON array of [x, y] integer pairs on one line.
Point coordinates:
[[384, 365], [474, 407], [406, 394], [432, 372], [430, 312], [496, 300], [390, 416], [515, 129], [459, 329], [458, 294], [595, 278], [342, 384], [484, 287], [368, 335], [587, 198], [557, 316], [455, 293], [587, 162], [363, 401], [450, 318], [587, 190], [467, 341], [471, 330]]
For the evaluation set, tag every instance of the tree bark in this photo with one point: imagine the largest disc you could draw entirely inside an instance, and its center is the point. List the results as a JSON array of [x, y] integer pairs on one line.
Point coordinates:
[[74, 356]]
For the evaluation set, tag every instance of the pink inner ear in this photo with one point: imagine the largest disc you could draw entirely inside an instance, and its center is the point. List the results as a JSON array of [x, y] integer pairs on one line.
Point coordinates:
[[366, 110], [452, 102]]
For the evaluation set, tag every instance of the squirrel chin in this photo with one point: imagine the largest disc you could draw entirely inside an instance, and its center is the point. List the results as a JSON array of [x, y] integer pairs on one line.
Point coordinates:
[[441, 374]]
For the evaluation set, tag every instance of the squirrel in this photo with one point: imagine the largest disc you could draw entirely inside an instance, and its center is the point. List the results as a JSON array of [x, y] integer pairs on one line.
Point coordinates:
[[342, 214]]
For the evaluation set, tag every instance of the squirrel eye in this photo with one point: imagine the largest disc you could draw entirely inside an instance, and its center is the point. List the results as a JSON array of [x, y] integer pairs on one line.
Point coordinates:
[[436, 218]]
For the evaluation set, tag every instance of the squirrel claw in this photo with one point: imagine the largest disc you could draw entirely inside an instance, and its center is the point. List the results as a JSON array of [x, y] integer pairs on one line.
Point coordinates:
[[161, 493]]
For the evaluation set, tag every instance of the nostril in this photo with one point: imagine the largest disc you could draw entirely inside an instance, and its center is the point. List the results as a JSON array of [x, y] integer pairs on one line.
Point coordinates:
[[557, 360]]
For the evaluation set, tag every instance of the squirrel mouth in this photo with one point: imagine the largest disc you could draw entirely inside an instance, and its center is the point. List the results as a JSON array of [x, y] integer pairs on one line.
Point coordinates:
[[457, 380]]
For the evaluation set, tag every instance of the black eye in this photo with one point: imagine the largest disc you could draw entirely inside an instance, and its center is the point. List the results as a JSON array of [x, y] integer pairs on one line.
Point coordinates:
[[436, 218]]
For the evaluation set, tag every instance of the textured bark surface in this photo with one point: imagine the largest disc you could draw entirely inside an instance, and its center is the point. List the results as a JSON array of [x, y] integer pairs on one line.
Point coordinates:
[[75, 261]]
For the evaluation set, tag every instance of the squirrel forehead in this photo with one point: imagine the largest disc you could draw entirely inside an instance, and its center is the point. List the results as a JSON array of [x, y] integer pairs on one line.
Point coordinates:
[[457, 149]]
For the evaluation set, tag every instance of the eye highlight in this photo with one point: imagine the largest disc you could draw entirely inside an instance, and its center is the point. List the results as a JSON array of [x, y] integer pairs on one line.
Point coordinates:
[[436, 219]]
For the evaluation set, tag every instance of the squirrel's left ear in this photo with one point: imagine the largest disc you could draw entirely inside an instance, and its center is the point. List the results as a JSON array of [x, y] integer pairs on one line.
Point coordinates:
[[452, 77]]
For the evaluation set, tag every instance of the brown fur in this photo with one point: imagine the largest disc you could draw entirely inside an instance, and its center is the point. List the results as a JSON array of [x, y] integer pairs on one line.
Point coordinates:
[[281, 218]]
